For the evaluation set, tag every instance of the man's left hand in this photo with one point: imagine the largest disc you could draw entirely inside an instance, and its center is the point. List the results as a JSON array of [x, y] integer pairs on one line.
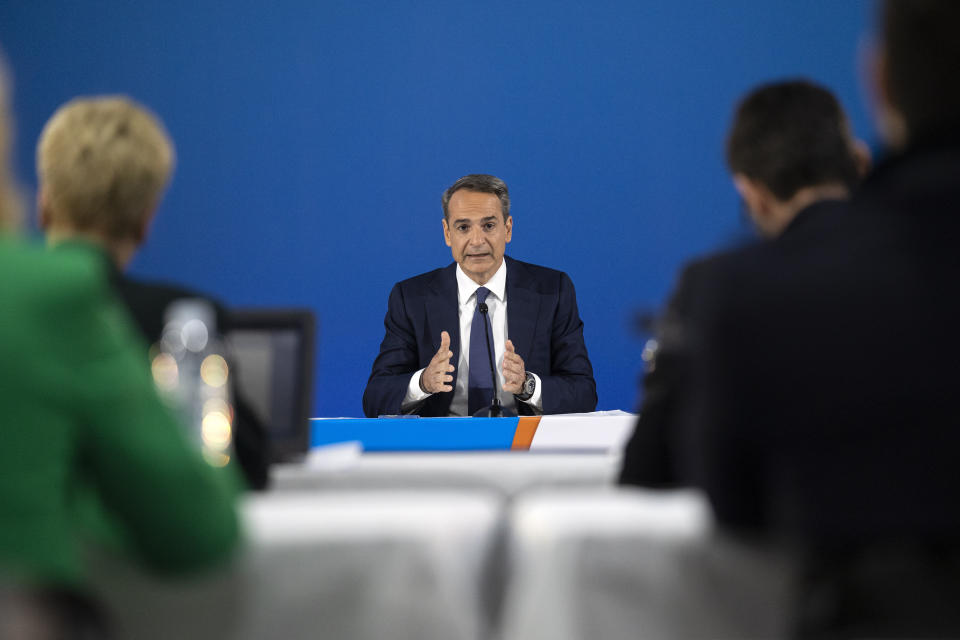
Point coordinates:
[[514, 373]]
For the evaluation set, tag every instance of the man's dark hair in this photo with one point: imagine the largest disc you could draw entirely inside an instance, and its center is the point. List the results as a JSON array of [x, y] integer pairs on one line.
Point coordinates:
[[482, 183], [921, 43], [791, 135]]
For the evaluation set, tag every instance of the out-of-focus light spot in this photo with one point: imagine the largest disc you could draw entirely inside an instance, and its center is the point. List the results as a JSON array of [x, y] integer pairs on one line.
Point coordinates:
[[214, 370], [215, 431], [215, 458], [171, 341], [218, 405], [194, 335], [165, 372]]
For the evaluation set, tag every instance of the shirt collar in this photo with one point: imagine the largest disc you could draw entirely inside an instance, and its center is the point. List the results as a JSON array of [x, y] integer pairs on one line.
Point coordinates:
[[497, 284]]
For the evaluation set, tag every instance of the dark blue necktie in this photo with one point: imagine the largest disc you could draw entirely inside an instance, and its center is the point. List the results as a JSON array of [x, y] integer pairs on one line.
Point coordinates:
[[479, 393]]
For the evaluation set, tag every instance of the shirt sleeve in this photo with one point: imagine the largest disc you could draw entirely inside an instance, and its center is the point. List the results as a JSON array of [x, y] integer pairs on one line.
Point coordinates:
[[415, 395]]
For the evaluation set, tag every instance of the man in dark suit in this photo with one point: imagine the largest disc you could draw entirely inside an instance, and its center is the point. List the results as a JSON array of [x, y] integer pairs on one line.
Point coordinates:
[[433, 360], [822, 379], [103, 164], [793, 162]]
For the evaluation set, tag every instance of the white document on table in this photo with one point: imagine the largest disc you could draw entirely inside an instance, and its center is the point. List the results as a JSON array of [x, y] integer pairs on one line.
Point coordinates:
[[596, 431]]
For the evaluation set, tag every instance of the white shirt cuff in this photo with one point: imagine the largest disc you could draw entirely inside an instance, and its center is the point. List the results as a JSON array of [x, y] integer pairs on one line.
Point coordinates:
[[415, 394]]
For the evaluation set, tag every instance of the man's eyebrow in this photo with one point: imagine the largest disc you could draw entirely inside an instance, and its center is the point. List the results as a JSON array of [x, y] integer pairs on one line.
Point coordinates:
[[487, 219], [470, 221]]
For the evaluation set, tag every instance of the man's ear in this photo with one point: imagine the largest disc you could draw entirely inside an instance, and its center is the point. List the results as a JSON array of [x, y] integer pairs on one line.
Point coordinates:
[[446, 232], [889, 120], [862, 157], [509, 226], [754, 194], [760, 201]]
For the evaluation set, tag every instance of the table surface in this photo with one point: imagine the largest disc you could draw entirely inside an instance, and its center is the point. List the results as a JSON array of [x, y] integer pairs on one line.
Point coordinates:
[[508, 472]]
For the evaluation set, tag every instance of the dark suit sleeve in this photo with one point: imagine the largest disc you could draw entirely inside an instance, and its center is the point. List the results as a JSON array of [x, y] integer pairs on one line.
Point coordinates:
[[569, 387], [649, 457], [395, 363], [692, 429], [734, 383]]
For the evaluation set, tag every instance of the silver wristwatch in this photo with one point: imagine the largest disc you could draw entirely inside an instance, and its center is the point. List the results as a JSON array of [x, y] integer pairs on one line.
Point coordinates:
[[526, 391]]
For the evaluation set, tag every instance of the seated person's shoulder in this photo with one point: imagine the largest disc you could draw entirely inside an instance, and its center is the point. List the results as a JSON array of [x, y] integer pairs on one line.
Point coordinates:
[[163, 291], [429, 276], [148, 301], [544, 279], [696, 272], [821, 226], [60, 305], [724, 278], [34, 275]]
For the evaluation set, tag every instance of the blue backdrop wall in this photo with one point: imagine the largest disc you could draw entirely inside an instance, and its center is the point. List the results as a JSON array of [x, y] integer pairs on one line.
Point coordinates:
[[315, 139]]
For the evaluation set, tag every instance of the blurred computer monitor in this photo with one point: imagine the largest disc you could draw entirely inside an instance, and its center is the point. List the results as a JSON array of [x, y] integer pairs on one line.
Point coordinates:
[[273, 352]]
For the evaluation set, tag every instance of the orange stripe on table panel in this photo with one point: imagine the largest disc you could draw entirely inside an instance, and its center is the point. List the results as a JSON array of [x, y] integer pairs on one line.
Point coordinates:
[[526, 428]]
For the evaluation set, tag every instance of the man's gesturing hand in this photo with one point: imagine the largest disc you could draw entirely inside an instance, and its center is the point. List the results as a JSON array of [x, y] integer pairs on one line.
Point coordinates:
[[514, 372], [435, 377]]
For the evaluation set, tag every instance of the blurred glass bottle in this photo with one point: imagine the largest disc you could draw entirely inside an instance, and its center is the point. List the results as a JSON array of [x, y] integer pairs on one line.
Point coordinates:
[[190, 371]]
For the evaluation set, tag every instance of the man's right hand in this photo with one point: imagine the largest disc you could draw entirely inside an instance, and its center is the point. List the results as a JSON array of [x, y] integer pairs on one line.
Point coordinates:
[[435, 377]]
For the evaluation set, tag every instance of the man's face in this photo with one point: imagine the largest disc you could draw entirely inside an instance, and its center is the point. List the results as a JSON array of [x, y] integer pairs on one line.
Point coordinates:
[[476, 233]]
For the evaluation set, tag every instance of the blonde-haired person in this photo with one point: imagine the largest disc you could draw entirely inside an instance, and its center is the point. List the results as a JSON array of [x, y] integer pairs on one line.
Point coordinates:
[[82, 425], [103, 163]]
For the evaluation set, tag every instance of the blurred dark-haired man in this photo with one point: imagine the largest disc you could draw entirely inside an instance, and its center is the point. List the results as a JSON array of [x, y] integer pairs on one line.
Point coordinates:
[[790, 146], [794, 162], [435, 320], [821, 408]]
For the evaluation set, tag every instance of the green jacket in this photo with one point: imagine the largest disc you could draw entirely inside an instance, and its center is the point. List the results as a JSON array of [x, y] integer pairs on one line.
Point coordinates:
[[80, 418]]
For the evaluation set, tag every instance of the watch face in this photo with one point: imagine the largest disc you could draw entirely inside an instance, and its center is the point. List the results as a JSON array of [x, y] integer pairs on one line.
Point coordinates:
[[529, 385]]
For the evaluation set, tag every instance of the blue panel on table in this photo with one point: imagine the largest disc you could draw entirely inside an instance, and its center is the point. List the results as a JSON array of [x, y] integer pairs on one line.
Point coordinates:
[[416, 434]]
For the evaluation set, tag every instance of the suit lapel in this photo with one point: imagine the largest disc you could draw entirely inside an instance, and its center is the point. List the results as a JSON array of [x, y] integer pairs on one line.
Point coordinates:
[[523, 307], [444, 313]]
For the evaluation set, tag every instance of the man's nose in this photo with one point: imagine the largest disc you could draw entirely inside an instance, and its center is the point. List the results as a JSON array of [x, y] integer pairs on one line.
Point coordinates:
[[476, 236]]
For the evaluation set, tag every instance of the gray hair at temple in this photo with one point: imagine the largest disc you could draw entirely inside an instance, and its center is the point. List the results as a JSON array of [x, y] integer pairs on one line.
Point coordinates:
[[481, 183], [11, 204]]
